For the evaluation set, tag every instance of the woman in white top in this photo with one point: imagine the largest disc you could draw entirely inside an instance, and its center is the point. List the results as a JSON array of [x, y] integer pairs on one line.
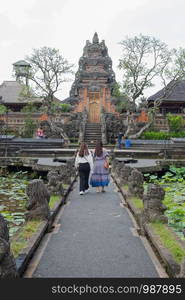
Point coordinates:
[[84, 163]]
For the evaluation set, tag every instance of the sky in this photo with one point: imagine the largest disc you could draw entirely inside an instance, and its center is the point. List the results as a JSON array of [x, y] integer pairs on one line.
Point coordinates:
[[67, 24]]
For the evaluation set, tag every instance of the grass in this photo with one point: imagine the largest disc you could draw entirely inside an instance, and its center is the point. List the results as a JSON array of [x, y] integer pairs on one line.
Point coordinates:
[[53, 200], [138, 203], [22, 237], [56, 198], [125, 187], [169, 241]]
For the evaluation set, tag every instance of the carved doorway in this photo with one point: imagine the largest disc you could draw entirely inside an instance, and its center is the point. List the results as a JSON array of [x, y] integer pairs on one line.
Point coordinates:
[[94, 107]]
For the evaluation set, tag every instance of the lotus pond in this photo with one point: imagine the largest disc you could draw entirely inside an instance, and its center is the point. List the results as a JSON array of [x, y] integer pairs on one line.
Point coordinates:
[[13, 197], [173, 182]]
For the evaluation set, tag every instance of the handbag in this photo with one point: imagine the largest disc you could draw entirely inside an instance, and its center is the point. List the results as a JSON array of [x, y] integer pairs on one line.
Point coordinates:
[[106, 164]]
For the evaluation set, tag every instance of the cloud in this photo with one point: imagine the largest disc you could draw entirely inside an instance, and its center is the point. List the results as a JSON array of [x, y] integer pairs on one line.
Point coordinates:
[[67, 24]]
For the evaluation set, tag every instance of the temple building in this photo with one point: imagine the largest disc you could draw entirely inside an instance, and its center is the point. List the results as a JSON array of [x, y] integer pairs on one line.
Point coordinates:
[[94, 81], [13, 94], [172, 98]]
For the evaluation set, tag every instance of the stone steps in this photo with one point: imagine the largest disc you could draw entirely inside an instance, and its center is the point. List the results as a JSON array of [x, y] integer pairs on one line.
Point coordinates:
[[92, 133]]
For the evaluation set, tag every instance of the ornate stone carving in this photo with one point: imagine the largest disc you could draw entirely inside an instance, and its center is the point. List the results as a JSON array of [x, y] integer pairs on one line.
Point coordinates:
[[135, 183], [54, 185], [7, 262], [153, 206], [51, 130], [38, 200], [95, 68]]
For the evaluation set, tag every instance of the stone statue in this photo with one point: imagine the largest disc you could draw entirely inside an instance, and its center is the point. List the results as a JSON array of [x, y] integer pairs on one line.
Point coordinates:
[[153, 206], [38, 200], [7, 262], [135, 184], [54, 185]]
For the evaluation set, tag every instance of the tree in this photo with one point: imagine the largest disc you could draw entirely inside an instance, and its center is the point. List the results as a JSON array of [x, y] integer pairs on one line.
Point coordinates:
[[48, 70], [3, 109], [144, 58], [121, 100], [30, 127]]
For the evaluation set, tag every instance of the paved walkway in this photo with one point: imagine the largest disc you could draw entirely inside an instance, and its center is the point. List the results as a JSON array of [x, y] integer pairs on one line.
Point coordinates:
[[95, 238]]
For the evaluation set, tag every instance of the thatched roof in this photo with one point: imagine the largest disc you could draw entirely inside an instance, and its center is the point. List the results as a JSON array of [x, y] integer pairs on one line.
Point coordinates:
[[175, 92], [10, 92]]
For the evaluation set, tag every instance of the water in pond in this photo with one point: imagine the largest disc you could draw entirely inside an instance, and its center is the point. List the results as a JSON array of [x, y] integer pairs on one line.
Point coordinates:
[[13, 197]]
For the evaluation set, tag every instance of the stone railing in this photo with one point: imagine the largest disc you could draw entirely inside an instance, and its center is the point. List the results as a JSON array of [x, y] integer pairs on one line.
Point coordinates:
[[103, 127], [82, 126], [148, 210]]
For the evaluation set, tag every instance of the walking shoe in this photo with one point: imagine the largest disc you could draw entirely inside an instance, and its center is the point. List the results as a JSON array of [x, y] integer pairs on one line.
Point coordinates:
[[81, 193], [86, 191]]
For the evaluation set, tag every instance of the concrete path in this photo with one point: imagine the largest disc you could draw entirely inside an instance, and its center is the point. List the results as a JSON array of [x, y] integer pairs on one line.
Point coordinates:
[[95, 237]]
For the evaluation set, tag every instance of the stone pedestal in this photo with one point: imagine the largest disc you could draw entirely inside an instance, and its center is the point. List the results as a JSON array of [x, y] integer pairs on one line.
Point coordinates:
[[153, 206], [135, 184], [7, 262]]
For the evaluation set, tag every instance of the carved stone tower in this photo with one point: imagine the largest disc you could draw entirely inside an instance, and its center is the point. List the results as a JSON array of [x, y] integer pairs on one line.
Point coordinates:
[[94, 81]]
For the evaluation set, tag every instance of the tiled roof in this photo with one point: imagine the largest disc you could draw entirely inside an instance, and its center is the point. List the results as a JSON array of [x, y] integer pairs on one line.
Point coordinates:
[[176, 93]]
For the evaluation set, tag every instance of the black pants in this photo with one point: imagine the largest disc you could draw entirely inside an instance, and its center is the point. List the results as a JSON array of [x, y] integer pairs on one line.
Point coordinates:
[[84, 171]]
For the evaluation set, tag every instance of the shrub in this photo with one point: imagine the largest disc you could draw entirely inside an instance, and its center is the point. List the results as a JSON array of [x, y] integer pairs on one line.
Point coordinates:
[[153, 135], [65, 107], [176, 123]]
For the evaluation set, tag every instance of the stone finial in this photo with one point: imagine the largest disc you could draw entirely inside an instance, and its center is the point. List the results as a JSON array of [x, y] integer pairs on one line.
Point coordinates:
[[135, 183], [95, 38], [38, 200], [7, 262], [153, 206]]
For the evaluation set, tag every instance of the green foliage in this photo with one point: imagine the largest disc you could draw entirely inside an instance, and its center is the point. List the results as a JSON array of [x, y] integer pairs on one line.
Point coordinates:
[[169, 241], [30, 108], [53, 200], [13, 198], [29, 128], [138, 203], [174, 184], [65, 107], [154, 135], [117, 91], [21, 239], [176, 123], [3, 109]]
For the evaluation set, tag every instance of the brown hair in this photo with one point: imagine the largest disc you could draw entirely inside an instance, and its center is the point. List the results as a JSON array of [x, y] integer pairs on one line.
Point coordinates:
[[83, 150], [99, 149]]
